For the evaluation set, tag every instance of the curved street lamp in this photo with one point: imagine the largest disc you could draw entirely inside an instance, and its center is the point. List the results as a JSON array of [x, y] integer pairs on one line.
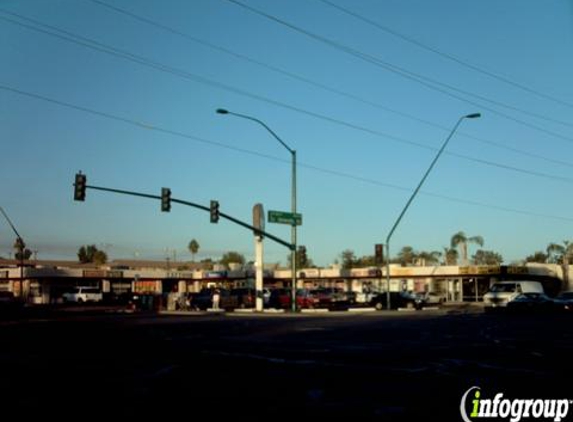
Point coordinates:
[[467, 116], [293, 195]]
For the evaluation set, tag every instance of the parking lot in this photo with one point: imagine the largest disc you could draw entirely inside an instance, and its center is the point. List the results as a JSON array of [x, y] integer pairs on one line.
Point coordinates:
[[392, 366]]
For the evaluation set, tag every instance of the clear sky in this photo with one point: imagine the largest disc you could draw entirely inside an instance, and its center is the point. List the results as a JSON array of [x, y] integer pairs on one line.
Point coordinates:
[[366, 92]]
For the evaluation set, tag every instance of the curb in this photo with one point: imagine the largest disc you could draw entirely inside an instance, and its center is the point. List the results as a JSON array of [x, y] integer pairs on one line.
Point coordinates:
[[358, 310], [314, 311]]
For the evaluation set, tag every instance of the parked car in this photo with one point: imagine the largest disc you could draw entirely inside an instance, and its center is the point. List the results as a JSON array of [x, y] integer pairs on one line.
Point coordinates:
[[431, 299], [281, 299], [331, 297], [397, 300], [502, 293], [307, 299], [564, 301], [246, 297], [532, 303], [82, 295]]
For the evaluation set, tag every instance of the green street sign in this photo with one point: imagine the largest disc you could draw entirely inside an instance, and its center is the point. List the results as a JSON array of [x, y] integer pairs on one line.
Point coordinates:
[[283, 217]]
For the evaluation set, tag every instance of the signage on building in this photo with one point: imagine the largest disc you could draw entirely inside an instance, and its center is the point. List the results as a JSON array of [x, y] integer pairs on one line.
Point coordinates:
[[147, 286], [480, 269], [94, 273], [404, 272]]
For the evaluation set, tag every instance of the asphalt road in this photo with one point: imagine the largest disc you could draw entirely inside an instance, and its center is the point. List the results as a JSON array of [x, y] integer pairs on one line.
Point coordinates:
[[385, 366]]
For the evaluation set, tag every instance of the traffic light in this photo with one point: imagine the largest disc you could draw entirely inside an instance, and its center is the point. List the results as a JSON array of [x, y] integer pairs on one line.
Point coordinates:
[[165, 199], [80, 187], [302, 255], [379, 253], [214, 211]]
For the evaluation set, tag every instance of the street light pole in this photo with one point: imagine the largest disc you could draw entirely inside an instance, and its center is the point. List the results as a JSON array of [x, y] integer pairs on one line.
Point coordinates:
[[468, 116], [293, 196], [21, 249]]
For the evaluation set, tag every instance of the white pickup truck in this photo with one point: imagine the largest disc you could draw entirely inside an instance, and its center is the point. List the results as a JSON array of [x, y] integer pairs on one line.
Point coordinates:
[[82, 295]]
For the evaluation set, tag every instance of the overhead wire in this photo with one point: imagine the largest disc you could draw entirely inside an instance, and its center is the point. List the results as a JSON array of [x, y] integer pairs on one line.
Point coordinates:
[[175, 133], [416, 77], [86, 42], [320, 85], [448, 56]]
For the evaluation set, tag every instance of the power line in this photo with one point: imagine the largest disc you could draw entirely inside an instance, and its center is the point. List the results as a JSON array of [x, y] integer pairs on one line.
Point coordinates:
[[418, 78], [448, 56], [179, 134], [89, 43], [317, 84]]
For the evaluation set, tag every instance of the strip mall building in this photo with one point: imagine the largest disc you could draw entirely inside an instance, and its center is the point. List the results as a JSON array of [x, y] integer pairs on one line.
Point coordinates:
[[45, 282]]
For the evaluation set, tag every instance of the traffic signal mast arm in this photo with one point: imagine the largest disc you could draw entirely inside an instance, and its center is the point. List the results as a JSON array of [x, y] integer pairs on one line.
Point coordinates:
[[259, 232]]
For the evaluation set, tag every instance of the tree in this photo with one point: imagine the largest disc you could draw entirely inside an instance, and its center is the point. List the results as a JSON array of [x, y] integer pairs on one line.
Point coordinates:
[[560, 254], [22, 252], [406, 256], [24, 255], [366, 261], [538, 256], [91, 254], [482, 257], [461, 241], [450, 256], [100, 257], [193, 248], [207, 263], [348, 259], [232, 258], [302, 260], [428, 258]]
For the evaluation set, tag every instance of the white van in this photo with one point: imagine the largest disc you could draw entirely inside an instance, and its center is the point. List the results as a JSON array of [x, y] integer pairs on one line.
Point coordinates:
[[503, 292], [83, 294]]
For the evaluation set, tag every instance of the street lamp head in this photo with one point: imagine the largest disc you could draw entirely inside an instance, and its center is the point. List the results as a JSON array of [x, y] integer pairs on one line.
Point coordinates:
[[473, 116], [222, 111]]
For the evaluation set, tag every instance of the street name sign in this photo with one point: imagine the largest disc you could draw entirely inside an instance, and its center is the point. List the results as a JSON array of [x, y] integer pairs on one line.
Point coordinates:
[[283, 217]]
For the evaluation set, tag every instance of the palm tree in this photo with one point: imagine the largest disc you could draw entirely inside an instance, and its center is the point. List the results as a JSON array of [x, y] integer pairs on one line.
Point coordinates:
[[450, 256], [560, 253], [429, 258], [193, 248], [407, 256], [461, 240]]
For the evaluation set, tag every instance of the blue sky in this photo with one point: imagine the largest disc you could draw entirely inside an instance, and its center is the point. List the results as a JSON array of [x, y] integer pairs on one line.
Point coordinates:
[[363, 143]]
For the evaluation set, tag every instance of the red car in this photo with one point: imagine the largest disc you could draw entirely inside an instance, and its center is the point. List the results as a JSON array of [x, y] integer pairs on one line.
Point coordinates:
[[281, 299]]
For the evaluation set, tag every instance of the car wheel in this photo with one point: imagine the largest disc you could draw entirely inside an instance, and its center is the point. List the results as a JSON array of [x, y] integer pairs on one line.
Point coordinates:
[[80, 300], [378, 306]]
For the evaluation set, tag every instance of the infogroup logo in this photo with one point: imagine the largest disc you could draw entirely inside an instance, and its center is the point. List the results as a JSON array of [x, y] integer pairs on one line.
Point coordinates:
[[515, 410]]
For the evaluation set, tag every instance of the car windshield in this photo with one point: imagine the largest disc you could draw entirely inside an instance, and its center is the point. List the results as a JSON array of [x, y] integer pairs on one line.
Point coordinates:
[[90, 290], [503, 288]]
